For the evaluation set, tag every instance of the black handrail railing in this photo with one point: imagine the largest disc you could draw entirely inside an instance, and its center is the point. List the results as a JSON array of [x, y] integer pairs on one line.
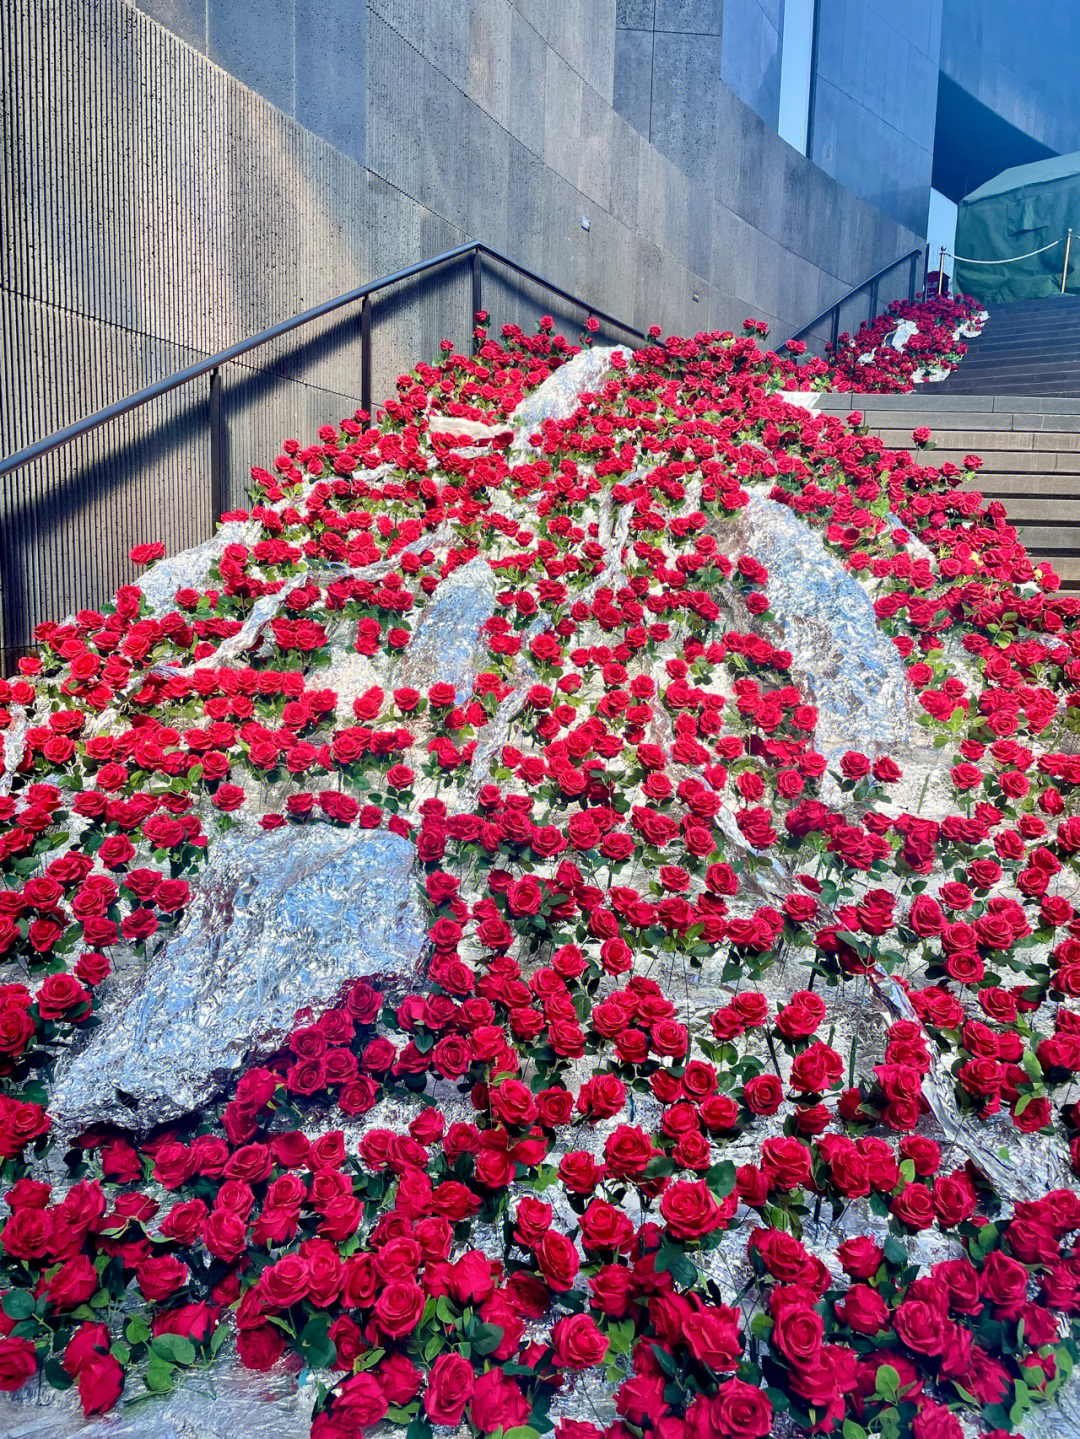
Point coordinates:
[[872, 284], [212, 363]]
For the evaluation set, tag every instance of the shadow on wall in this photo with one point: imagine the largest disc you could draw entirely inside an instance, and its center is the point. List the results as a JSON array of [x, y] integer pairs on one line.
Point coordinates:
[[77, 511]]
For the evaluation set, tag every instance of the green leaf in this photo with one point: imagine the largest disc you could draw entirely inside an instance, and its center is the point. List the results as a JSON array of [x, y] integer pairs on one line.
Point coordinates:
[[721, 1179], [159, 1376], [173, 1347], [523, 1431], [665, 1360], [18, 1304], [672, 1260], [887, 1382], [218, 1338], [56, 1375], [488, 1338], [138, 1331], [852, 1430], [316, 1346]]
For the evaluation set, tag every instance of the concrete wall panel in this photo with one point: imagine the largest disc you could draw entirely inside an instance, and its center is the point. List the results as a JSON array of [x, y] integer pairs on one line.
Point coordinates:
[[159, 208]]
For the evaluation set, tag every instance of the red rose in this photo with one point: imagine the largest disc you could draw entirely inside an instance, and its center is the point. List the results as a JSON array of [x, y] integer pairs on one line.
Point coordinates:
[[89, 1339], [360, 1402], [498, 1403], [863, 1310], [861, 1257], [284, 1283], [161, 1276], [261, 1347], [398, 1308], [558, 1261], [920, 1326], [18, 1363], [610, 1289], [712, 1336], [577, 1343], [934, 1421], [763, 1094], [690, 1210], [742, 1411], [101, 1380], [73, 1283], [61, 994], [449, 1388]]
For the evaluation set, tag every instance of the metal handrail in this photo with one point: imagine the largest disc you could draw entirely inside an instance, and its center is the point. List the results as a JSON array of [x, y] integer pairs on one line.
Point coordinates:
[[871, 283], [212, 363]]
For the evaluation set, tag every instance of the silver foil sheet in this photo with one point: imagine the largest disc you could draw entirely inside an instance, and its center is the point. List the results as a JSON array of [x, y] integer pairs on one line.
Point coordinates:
[[847, 667], [446, 642], [220, 1402], [1019, 1166], [191, 567], [277, 921], [557, 397], [14, 746]]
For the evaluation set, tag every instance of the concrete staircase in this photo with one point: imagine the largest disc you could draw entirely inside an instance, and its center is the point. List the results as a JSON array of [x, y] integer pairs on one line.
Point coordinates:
[[1031, 347], [1030, 447]]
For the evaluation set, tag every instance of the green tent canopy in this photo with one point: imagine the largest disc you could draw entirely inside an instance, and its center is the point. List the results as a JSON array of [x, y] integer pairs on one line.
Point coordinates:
[[1018, 211]]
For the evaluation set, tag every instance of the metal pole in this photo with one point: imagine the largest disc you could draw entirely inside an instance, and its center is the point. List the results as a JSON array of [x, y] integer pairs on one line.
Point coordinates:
[[365, 355], [835, 325], [477, 301], [873, 301], [218, 448], [912, 270], [1065, 267], [941, 270]]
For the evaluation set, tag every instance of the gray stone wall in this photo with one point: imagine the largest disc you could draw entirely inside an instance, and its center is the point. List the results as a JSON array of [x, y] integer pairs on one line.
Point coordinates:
[[1021, 62], [750, 59], [157, 207], [875, 100]]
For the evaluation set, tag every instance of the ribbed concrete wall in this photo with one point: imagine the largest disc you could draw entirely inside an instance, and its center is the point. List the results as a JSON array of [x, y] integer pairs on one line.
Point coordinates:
[[156, 208]]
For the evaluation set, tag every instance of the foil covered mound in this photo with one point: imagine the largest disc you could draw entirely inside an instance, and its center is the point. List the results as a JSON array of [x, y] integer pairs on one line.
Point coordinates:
[[846, 666], [278, 921], [444, 644]]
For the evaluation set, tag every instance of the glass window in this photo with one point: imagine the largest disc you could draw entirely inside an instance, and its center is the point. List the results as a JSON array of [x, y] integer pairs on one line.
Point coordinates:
[[796, 54]]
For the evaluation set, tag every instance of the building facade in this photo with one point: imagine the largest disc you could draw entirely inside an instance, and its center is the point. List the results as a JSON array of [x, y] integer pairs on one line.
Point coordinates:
[[178, 174]]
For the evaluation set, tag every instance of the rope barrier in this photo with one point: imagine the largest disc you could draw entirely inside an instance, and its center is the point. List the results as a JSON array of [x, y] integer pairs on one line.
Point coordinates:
[[964, 259]]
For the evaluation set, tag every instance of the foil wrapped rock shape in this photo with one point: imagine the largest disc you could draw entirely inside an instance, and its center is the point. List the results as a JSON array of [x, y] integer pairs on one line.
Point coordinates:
[[848, 667], [278, 921]]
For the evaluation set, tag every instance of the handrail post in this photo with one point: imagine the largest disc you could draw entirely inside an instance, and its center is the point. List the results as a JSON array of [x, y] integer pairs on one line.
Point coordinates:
[[365, 356], [1065, 267], [477, 299], [912, 270], [218, 448], [835, 325], [941, 269], [873, 301]]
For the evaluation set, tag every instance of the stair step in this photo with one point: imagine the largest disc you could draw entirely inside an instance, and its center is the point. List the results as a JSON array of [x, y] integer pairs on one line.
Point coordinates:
[[1049, 511], [1001, 487], [999, 441]]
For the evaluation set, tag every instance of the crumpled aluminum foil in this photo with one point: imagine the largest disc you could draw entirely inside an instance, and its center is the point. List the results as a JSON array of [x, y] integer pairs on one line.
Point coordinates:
[[217, 1403], [14, 746], [277, 921], [1019, 1166], [191, 567], [848, 668], [446, 641], [557, 397], [1059, 1419]]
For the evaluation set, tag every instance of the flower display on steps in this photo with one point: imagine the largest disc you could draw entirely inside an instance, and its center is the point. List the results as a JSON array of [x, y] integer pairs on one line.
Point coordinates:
[[912, 342], [706, 1078]]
